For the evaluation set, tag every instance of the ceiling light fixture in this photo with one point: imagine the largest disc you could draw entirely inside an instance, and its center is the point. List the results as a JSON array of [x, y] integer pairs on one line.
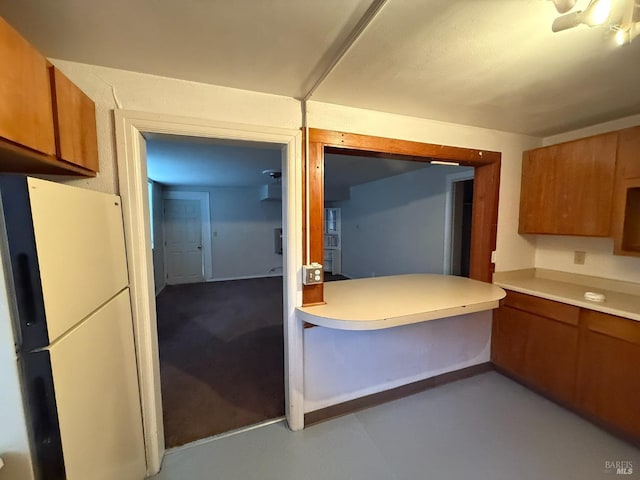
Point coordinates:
[[596, 13], [440, 162], [274, 174], [621, 17]]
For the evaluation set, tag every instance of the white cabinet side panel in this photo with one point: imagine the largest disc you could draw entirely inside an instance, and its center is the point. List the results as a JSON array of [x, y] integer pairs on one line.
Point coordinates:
[[96, 387], [80, 243]]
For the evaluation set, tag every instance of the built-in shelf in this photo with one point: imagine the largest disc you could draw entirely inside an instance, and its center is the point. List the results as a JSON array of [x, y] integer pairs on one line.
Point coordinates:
[[631, 231]]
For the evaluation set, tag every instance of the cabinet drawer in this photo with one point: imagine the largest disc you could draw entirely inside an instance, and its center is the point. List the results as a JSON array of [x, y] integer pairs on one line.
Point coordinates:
[[543, 307], [612, 326]]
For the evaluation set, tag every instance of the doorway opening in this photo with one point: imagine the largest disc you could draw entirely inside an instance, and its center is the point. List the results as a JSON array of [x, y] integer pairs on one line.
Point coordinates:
[[218, 271], [130, 128], [461, 222]]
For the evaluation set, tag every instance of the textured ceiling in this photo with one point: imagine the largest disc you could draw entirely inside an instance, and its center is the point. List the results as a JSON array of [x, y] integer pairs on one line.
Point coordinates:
[[489, 63], [274, 46]]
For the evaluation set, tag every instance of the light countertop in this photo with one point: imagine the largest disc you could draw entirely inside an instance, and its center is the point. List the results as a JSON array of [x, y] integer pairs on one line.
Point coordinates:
[[621, 298], [384, 302]]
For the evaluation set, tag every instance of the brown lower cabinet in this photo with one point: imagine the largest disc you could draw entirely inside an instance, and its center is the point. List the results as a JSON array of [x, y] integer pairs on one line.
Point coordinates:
[[609, 370], [586, 360], [536, 345]]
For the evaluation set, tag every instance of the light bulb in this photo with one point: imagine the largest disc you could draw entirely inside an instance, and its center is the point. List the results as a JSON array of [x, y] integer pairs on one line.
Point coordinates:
[[621, 37], [598, 12]]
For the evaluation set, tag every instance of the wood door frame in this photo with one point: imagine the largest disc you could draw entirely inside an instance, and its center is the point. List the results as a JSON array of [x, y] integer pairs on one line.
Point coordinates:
[[485, 195], [132, 176], [205, 228]]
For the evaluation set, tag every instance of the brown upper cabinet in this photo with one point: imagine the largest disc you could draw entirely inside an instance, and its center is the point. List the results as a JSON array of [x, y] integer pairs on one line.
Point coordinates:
[[75, 120], [588, 187], [567, 189], [47, 125], [26, 116]]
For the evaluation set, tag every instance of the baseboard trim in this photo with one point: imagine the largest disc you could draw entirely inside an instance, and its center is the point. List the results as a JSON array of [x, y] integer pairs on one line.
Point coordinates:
[[248, 277], [345, 408]]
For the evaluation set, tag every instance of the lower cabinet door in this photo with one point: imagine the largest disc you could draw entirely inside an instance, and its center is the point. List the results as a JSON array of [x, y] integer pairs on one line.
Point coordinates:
[[609, 371], [540, 351]]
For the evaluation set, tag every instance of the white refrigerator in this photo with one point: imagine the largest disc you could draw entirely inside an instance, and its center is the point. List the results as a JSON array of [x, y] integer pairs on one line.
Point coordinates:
[[63, 249]]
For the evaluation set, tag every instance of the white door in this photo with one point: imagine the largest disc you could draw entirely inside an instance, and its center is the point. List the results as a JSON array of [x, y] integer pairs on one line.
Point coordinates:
[[183, 237]]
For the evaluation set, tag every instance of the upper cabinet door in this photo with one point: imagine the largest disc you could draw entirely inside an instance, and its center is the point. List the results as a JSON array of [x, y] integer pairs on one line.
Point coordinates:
[[567, 189], [75, 119], [26, 116], [629, 153]]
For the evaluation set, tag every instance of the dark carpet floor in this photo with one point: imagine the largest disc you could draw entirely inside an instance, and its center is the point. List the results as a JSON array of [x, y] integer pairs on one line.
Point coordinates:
[[329, 277], [221, 356]]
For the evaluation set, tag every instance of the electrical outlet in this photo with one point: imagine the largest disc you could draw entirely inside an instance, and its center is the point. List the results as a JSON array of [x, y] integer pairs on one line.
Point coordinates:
[[578, 257], [312, 274]]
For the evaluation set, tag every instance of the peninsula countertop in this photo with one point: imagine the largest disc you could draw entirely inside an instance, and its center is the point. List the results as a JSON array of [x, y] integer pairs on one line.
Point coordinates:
[[384, 302], [621, 298]]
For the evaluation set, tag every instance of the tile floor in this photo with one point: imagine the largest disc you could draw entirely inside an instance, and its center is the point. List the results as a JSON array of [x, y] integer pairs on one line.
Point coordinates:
[[485, 427]]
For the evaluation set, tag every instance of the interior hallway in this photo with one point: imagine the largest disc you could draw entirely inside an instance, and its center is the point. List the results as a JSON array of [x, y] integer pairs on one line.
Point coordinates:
[[221, 356], [483, 428]]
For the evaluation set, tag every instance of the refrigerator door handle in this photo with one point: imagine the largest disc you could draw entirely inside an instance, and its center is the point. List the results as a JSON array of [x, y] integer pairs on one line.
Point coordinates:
[[27, 293], [45, 428]]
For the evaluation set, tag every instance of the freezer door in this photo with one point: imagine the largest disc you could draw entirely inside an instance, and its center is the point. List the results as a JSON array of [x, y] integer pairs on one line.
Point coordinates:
[[96, 390], [81, 254]]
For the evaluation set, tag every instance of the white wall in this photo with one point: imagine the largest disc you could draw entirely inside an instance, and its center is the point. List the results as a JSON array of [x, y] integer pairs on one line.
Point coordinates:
[[154, 94], [605, 127], [341, 365], [14, 441], [396, 225], [242, 227], [158, 236], [556, 252]]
